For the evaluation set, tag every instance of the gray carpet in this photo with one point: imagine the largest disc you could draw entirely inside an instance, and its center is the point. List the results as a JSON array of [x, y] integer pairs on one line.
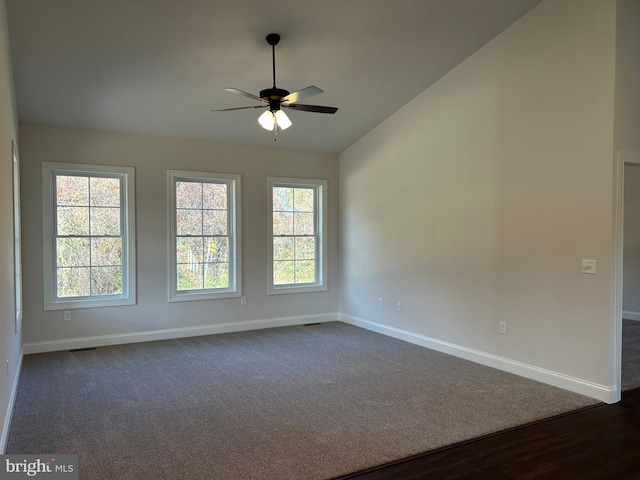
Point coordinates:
[[305, 402], [630, 354]]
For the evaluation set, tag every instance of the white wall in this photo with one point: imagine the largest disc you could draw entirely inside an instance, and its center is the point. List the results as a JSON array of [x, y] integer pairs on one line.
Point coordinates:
[[152, 157], [475, 203], [10, 339]]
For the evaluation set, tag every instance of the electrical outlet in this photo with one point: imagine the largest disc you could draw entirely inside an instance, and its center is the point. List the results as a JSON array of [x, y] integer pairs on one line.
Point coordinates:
[[398, 306], [380, 302], [502, 328], [67, 315], [589, 266], [243, 300]]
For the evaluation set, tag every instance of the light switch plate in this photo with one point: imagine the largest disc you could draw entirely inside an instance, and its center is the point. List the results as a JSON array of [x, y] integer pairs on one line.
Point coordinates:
[[589, 266]]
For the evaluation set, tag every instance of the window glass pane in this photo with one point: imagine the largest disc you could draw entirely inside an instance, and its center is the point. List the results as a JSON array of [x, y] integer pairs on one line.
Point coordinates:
[[72, 190], [303, 224], [283, 272], [105, 192], [303, 199], [282, 223], [305, 248], [106, 281], [89, 238], [214, 196], [72, 282], [297, 242], [216, 275], [106, 252], [283, 248], [204, 236], [105, 221], [188, 195], [216, 249], [189, 276], [72, 220], [188, 222], [305, 271], [282, 199], [189, 250], [215, 222], [72, 252]]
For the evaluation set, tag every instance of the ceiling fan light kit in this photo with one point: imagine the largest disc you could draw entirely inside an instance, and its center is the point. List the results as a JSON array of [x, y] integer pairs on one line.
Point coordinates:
[[275, 99], [274, 120]]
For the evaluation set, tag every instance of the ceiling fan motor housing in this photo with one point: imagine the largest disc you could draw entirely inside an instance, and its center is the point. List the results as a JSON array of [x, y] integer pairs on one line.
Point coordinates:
[[274, 96]]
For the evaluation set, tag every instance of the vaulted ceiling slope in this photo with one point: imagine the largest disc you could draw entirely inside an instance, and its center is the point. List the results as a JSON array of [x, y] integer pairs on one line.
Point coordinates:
[[159, 66]]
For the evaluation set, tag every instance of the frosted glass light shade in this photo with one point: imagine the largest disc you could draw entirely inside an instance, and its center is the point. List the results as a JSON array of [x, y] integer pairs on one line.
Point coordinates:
[[282, 120], [269, 119]]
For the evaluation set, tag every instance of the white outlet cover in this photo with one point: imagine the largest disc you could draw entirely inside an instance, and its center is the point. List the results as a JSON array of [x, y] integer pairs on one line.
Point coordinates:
[[589, 266]]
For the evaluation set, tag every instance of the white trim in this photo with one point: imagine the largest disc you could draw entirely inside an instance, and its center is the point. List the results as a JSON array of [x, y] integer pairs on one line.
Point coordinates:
[[321, 192], [583, 387], [234, 209], [12, 401], [617, 265], [626, 314], [167, 334], [17, 235]]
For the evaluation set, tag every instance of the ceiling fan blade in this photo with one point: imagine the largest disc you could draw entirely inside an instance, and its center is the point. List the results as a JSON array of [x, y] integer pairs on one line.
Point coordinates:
[[311, 108], [250, 95], [237, 108], [298, 95]]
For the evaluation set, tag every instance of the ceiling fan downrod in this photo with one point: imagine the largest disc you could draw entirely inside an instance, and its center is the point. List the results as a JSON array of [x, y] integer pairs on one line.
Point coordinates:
[[273, 95], [273, 39]]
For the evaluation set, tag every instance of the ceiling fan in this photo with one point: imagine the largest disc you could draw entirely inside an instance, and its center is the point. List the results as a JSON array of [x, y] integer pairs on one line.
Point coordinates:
[[275, 99]]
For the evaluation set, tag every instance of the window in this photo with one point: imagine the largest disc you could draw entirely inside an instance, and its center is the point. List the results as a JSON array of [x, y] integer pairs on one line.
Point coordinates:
[[88, 228], [297, 231], [17, 249], [204, 221]]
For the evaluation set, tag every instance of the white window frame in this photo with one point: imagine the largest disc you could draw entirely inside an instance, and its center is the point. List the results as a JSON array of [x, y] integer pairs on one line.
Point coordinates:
[[233, 182], [127, 195], [320, 189], [17, 242]]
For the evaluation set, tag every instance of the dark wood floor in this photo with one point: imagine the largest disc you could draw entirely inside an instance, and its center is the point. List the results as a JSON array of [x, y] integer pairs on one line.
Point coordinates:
[[601, 442]]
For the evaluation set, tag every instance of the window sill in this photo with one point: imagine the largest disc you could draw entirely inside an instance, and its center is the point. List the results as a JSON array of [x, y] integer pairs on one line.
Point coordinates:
[[195, 296], [93, 303], [286, 289]]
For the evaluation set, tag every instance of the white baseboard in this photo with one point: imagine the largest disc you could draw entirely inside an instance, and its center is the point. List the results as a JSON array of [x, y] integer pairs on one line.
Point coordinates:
[[136, 337], [590, 389], [631, 315], [9, 412]]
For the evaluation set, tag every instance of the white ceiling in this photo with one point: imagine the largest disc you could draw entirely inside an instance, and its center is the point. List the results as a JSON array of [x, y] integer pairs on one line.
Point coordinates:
[[159, 66]]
